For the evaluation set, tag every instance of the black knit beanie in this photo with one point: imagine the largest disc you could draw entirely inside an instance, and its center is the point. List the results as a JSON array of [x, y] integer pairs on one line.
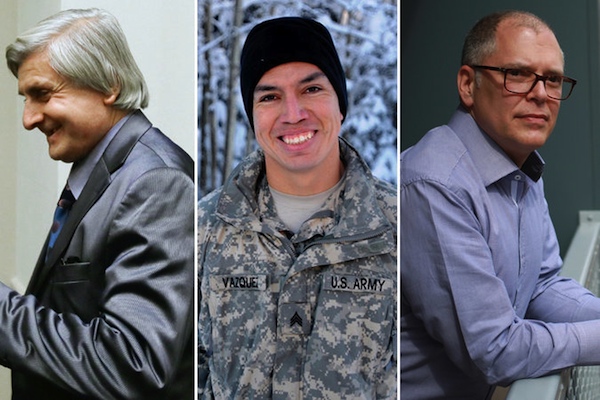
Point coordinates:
[[289, 39]]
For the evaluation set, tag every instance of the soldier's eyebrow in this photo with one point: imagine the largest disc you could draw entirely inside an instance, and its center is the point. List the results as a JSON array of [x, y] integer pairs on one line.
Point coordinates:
[[310, 78], [313, 77], [264, 88]]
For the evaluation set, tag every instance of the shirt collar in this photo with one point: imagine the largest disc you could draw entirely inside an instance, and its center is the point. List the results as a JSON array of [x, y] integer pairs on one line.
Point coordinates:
[[492, 162], [81, 170], [533, 167]]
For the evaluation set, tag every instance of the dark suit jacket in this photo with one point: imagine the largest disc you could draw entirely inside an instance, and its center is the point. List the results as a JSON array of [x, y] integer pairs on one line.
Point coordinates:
[[110, 314]]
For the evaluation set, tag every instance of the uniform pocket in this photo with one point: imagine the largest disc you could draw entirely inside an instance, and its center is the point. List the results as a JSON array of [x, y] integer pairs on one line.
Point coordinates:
[[242, 317], [353, 327]]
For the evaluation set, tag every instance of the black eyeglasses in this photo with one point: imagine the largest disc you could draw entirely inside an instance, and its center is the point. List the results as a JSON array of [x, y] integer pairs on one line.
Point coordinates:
[[522, 81]]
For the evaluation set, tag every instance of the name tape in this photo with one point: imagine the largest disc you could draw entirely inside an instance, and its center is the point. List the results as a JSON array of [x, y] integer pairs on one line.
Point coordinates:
[[357, 283], [335, 282], [238, 282]]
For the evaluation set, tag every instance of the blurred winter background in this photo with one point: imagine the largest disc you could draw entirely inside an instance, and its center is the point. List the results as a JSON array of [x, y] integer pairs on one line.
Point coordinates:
[[365, 34]]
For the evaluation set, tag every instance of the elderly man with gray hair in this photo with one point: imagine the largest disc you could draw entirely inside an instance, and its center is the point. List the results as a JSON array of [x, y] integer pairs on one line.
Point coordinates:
[[108, 312]]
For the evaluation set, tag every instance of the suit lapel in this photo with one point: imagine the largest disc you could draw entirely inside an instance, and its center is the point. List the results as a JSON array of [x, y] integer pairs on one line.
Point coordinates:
[[113, 158]]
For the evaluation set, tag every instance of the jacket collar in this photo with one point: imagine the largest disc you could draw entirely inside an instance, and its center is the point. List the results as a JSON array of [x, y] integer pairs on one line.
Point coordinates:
[[356, 212]]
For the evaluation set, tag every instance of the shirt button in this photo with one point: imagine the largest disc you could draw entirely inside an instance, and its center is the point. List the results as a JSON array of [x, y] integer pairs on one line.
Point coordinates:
[[517, 177]]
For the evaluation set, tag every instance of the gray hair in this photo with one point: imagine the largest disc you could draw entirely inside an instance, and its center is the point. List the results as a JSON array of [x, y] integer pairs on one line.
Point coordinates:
[[481, 40], [89, 48]]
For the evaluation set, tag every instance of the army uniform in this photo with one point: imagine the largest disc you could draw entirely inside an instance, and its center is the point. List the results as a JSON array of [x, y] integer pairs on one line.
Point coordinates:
[[310, 315]]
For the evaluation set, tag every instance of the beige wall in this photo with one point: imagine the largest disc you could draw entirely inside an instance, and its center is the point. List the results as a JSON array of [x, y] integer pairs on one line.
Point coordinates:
[[162, 37]]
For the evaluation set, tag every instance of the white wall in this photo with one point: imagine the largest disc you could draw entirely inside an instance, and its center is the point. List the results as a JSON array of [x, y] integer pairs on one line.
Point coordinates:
[[162, 37], [37, 175]]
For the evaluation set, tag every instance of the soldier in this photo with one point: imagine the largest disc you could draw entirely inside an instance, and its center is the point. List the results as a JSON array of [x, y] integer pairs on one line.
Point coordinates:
[[297, 251]]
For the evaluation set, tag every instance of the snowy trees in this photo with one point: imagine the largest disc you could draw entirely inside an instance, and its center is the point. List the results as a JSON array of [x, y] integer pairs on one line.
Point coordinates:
[[365, 33]]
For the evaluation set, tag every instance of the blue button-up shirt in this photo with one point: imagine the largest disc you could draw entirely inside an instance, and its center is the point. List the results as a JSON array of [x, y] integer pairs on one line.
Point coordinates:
[[482, 302]]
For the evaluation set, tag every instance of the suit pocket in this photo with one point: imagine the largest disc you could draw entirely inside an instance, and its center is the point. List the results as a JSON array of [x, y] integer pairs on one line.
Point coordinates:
[[72, 272], [76, 289]]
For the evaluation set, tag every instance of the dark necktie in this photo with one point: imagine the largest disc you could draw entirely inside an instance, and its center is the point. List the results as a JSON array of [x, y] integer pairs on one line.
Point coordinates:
[[60, 215]]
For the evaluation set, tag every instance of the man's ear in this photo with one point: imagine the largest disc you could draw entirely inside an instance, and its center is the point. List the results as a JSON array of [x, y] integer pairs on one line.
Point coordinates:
[[110, 98], [466, 85]]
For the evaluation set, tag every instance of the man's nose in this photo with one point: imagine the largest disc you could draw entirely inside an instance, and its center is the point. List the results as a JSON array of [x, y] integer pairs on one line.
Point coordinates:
[[32, 115], [294, 109], [539, 89]]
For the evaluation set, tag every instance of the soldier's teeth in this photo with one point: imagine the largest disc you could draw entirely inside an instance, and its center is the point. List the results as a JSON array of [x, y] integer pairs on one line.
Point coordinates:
[[298, 139]]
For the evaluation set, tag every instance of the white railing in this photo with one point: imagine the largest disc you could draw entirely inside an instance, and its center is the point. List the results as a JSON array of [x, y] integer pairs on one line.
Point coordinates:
[[582, 263]]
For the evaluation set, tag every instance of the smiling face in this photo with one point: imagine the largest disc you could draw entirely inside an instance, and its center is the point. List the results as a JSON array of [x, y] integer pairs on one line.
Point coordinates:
[[73, 119], [518, 123], [297, 121]]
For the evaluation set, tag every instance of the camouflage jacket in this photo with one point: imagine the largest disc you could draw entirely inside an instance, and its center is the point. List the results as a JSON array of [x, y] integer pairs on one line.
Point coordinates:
[[307, 317]]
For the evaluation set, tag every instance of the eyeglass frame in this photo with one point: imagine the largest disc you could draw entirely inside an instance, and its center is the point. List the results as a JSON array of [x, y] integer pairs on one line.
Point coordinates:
[[538, 78]]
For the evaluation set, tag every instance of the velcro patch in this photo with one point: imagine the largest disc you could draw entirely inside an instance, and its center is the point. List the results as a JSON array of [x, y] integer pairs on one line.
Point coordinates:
[[294, 319], [358, 283], [238, 282]]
